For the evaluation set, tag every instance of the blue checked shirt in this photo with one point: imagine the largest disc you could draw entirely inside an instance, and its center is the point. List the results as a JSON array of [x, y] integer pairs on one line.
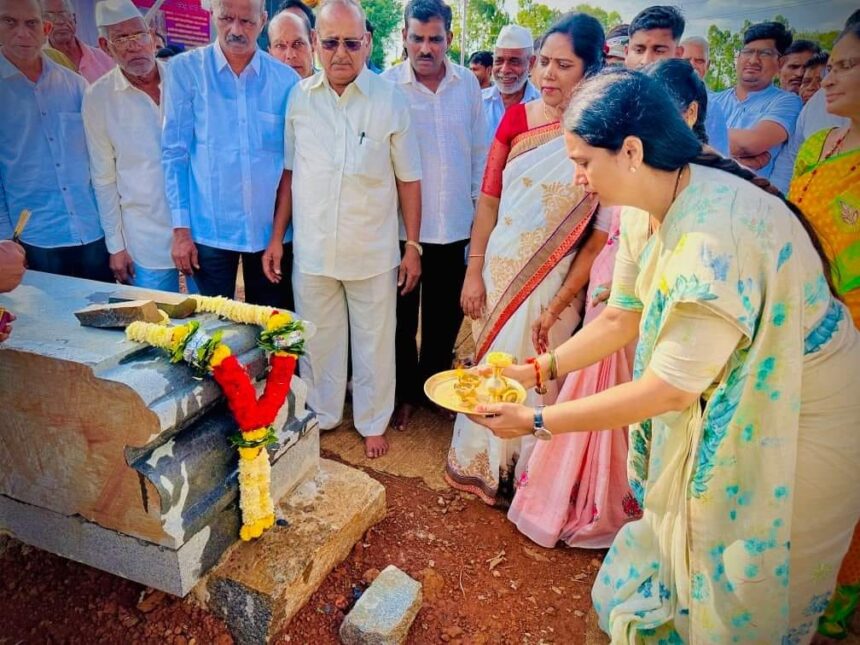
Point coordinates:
[[223, 146], [44, 165]]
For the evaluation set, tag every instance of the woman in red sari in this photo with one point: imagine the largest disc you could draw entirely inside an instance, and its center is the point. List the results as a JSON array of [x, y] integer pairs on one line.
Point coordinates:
[[533, 241]]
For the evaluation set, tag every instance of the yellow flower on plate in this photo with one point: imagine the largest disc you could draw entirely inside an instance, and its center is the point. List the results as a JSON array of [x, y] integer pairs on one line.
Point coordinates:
[[499, 359]]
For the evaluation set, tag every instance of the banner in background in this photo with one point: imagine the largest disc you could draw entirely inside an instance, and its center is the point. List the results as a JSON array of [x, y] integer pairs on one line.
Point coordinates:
[[182, 22]]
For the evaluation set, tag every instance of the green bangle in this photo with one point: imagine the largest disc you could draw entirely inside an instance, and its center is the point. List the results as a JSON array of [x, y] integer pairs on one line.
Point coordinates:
[[553, 366]]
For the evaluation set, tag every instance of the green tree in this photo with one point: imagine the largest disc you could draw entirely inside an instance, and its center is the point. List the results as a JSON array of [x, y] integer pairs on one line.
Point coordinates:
[[386, 17], [484, 20], [607, 19], [536, 17]]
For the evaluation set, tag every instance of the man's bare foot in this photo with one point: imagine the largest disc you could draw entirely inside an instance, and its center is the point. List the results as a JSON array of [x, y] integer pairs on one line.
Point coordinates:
[[375, 446], [402, 415]]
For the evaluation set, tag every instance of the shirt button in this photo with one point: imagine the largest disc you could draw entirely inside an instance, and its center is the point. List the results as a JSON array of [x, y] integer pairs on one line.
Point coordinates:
[[50, 138], [64, 188], [44, 114]]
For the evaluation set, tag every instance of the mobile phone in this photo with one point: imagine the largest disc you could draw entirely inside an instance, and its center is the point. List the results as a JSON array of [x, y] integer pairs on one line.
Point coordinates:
[[5, 319]]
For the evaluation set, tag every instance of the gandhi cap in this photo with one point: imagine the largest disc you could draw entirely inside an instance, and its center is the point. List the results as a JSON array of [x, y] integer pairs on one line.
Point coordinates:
[[514, 37], [113, 12]]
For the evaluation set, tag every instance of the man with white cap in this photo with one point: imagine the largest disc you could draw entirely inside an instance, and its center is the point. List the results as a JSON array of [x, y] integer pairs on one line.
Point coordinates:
[[122, 117], [513, 59]]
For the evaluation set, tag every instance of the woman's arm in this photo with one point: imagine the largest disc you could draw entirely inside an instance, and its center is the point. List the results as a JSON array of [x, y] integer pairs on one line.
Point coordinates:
[[574, 281], [473, 296]]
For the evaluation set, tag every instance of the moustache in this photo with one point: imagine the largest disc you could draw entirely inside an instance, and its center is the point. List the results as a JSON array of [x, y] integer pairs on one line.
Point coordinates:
[[238, 40]]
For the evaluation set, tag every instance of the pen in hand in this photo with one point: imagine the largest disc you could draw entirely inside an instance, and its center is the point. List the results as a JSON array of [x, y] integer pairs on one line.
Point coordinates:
[[361, 138]]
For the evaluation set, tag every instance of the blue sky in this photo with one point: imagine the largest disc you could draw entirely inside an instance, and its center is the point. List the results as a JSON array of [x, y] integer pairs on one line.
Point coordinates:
[[815, 15]]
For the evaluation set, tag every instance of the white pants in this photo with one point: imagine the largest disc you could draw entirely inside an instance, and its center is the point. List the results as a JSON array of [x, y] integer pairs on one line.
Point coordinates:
[[368, 307]]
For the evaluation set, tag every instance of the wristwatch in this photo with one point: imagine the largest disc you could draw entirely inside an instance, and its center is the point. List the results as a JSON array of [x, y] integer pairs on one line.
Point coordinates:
[[416, 246], [539, 430]]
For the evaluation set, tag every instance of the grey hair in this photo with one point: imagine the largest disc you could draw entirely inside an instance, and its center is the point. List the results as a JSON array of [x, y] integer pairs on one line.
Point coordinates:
[[216, 4], [701, 42], [350, 4]]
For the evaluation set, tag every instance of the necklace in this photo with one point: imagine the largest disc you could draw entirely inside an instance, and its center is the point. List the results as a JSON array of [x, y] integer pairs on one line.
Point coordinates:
[[836, 148], [547, 115], [651, 226]]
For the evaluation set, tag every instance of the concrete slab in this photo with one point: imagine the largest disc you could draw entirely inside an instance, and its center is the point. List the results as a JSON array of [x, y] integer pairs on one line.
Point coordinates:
[[261, 585], [385, 612]]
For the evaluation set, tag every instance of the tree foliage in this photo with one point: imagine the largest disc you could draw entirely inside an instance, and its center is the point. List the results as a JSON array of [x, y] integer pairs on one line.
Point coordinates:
[[607, 19], [484, 20], [386, 17]]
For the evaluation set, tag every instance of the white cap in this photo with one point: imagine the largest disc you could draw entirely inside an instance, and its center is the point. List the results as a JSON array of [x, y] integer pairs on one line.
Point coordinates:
[[113, 12], [514, 37]]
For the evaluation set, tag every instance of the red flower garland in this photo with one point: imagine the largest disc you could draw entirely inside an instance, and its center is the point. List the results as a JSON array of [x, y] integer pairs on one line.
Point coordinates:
[[252, 413]]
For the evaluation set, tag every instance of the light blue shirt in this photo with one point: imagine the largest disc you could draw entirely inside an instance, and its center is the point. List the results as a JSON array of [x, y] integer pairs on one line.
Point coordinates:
[[44, 165], [494, 107], [716, 128], [223, 146], [769, 104]]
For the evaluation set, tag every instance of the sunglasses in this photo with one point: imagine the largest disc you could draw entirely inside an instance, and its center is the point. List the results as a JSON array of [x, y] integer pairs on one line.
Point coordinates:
[[350, 44]]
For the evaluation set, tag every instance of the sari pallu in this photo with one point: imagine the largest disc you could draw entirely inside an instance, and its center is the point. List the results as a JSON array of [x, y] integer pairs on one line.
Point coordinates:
[[542, 218]]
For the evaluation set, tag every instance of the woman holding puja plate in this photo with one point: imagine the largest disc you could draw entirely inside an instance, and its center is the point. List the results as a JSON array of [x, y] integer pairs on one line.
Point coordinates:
[[533, 241], [743, 409]]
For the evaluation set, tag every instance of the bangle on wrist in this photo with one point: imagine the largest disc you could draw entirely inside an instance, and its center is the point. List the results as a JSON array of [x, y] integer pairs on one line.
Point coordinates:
[[553, 366], [540, 388], [475, 255]]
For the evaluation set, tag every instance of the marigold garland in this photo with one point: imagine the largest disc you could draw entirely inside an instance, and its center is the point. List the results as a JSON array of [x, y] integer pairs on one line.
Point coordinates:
[[283, 337]]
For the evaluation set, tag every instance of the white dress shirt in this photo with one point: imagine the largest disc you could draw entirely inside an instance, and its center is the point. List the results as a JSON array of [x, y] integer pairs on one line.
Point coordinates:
[[123, 126], [345, 152], [451, 131]]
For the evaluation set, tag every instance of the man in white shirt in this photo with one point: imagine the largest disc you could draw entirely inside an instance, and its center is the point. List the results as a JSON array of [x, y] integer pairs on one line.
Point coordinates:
[[351, 156], [513, 59], [445, 104], [122, 117]]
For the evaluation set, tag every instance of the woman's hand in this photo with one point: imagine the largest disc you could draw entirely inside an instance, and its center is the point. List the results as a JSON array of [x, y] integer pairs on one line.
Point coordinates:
[[540, 330], [474, 295], [601, 293], [508, 420]]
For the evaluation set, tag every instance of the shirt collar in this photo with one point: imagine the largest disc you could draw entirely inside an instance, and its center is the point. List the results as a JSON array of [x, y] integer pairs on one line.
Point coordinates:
[[408, 76], [530, 94], [8, 70], [362, 81], [121, 83], [221, 59]]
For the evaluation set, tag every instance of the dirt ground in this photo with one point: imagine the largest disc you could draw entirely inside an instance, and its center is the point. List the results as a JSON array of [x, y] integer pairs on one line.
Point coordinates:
[[483, 583]]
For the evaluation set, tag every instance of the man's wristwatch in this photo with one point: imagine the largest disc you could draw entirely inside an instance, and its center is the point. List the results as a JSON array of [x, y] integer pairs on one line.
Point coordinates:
[[416, 246], [539, 430]]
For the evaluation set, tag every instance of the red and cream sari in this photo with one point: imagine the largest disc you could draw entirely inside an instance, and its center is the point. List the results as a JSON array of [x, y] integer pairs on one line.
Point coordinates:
[[542, 220]]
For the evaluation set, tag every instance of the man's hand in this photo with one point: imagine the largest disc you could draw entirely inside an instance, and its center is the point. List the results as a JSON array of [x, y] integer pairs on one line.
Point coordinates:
[[755, 163], [12, 265], [122, 266], [410, 270], [272, 257], [473, 296], [540, 330], [6, 329], [184, 251]]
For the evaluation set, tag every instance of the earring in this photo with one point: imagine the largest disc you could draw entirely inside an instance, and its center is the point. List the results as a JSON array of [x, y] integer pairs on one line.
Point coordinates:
[[632, 169]]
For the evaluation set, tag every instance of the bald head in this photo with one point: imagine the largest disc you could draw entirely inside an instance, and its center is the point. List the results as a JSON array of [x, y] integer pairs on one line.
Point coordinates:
[[340, 8], [289, 20], [290, 41]]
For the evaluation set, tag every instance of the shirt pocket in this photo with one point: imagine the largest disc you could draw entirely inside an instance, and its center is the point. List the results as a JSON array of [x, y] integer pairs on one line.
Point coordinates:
[[369, 159], [73, 144], [271, 128]]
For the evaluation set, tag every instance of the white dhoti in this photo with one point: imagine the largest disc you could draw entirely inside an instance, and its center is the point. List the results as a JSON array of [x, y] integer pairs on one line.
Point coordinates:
[[364, 310]]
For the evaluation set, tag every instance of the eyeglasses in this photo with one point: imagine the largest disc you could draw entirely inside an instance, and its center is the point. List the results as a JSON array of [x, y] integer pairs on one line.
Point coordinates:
[[841, 66], [350, 44], [296, 45], [58, 16], [764, 54], [124, 42]]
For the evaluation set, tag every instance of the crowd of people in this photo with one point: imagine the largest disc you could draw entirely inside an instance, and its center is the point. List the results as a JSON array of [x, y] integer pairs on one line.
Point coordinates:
[[675, 269]]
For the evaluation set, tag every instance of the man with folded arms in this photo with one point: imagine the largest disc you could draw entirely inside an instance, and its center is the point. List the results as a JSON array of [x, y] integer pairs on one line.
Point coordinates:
[[352, 158]]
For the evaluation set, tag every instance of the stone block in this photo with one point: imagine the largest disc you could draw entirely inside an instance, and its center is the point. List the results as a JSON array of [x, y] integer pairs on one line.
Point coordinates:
[[175, 305], [261, 585], [173, 570], [118, 314], [384, 613]]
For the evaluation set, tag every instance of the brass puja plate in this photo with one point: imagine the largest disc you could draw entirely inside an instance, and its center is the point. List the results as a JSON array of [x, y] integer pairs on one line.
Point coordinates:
[[441, 389]]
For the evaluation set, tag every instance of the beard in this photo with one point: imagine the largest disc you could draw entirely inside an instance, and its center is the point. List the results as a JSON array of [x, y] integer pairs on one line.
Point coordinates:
[[512, 87]]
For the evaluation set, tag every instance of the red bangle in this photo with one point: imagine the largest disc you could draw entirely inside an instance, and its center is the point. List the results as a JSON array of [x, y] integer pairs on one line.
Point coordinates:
[[539, 386]]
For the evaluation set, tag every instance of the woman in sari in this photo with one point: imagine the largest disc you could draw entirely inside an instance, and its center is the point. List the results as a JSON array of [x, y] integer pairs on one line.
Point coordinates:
[[575, 488], [743, 409], [826, 186], [533, 241]]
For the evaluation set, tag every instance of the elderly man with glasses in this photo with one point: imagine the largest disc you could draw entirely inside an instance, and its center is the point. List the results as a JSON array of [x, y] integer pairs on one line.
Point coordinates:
[[125, 162], [89, 62], [223, 153], [760, 116], [353, 158]]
